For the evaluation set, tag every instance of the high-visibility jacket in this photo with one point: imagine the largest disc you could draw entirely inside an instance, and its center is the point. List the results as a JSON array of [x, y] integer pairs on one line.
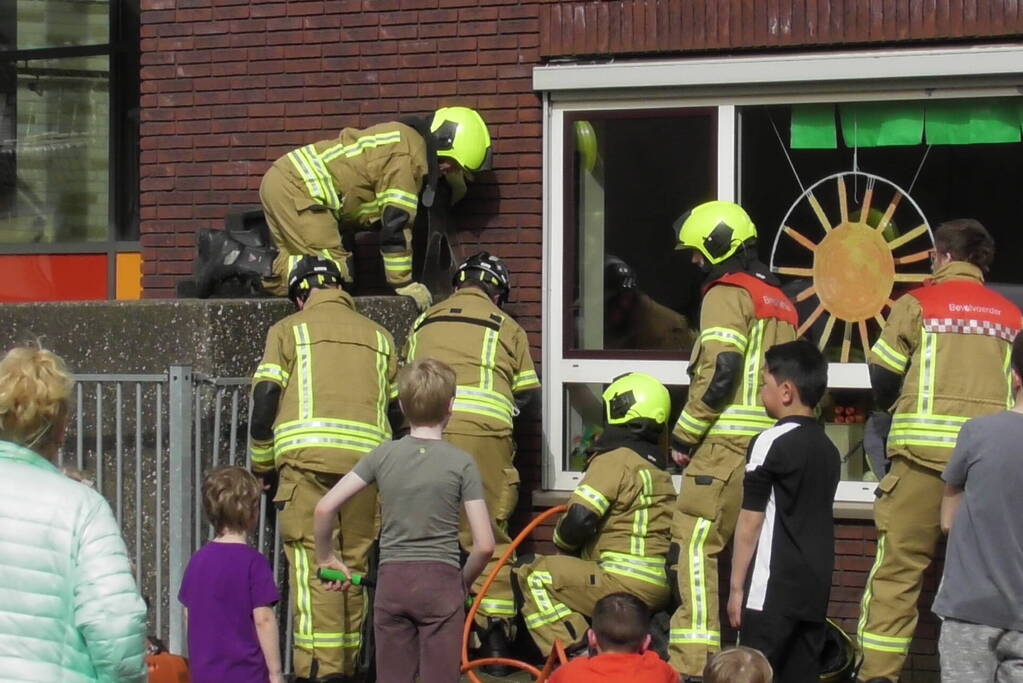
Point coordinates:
[[359, 173], [741, 314], [489, 353], [634, 501], [336, 369], [951, 341]]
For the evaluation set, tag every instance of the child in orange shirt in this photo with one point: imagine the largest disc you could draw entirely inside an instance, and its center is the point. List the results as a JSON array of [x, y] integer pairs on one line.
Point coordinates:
[[620, 636]]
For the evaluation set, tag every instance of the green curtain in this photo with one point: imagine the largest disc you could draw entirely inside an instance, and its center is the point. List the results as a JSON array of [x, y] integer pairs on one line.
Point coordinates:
[[813, 127], [967, 122], [882, 124]]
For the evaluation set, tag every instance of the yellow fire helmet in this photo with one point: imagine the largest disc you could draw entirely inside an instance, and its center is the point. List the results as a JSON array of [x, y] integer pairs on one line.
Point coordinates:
[[462, 135], [633, 396], [716, 229]]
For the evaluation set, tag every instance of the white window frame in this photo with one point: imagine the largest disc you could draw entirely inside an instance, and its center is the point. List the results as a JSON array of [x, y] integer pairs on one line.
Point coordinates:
[[725, 84]]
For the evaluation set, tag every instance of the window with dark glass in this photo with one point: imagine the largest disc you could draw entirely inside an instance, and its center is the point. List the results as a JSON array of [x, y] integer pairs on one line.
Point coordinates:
[[629, 176]]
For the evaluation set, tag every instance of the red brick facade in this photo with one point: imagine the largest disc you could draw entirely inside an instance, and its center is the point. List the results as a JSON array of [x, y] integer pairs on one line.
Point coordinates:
[[230, 85]]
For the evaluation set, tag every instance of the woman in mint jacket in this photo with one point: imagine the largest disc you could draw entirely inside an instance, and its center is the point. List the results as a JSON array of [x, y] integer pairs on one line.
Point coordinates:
[[69, 608]]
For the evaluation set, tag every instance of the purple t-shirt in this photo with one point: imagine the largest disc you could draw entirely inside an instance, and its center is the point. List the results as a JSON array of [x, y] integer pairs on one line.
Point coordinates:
[[222, 584]]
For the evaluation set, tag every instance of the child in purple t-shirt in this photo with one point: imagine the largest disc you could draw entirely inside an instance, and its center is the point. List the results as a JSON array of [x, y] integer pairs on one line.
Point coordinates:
[[228, 589]]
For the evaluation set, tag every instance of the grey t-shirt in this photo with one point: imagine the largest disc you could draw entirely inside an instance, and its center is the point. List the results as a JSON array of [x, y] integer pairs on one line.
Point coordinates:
[[983, 578], [423, 484]]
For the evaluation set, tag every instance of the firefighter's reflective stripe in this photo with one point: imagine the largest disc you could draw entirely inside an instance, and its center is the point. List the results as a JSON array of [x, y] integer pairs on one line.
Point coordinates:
[[319, 184], [725, 335], [398, 263], [874, 641], [488, 358], [739, 420], [495, 607], [385, 390], [548, 611], [413, 337], [261, 455], [928, 365], [641, 518], [361, 144], [303, 598], [693, 425], [483, 402], [397, 197], [689, 636], [751, 372], [646, 569], [525, 380], [560, 542], [868, 590], [890, 357], [304, 369], [272, 372], [328, 640], [326, 425], [698, 587], [1007, 367], [594, 497], [915, 429]]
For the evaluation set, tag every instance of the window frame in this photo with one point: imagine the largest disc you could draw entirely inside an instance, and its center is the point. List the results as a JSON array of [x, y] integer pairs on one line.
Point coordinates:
[[726, 84], [123, 53]]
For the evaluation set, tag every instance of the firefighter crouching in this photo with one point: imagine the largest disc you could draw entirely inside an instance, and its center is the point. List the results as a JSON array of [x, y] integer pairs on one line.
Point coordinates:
[[489, 352], [361, 180], [320, 398], [942, 358], [618, 523], [743, 314]]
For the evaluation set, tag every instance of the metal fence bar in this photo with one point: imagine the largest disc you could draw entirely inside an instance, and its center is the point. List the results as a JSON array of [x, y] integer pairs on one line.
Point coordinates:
[[138, 485], [159, 509], [99, 437], [80, 434], [197, 502], [181, 495], [119, 453]]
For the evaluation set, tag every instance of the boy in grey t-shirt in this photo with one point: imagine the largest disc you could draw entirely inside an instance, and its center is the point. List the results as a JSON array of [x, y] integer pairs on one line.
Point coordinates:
[[423, 483], [980, 594]]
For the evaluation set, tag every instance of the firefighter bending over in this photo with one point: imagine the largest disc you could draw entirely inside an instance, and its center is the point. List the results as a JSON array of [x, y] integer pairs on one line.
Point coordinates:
[[618, 523], [744, 313], [315, 197], [319, 403]]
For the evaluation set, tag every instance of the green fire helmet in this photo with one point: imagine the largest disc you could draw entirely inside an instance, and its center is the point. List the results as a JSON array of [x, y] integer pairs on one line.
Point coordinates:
[[716, 229], [634, 396], [462, 135]]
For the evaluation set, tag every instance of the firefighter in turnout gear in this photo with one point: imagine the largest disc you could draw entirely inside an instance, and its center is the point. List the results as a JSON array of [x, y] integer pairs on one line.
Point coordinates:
[[362, 179], [319, 403], [618, 522], [489, 352], [942, 358], [743, 314]]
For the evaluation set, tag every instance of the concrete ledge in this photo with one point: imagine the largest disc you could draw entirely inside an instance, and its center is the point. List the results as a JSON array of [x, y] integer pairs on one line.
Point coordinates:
[[218, 337]]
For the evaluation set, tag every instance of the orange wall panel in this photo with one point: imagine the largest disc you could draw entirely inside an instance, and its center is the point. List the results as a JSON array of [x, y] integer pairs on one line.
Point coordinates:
[[53, 277]]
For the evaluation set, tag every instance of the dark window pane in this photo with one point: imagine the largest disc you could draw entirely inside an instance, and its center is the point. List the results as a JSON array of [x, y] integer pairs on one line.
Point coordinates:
[[629, 177], [54, 151]]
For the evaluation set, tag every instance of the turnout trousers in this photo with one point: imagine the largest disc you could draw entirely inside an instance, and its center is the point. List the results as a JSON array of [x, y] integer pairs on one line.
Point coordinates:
[[907, 514], [493, 456], [311, 230], [559, 593], [703, 524], [327, 626]]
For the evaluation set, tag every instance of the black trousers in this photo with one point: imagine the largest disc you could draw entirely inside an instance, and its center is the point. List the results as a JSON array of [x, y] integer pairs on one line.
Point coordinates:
[[793, 647]]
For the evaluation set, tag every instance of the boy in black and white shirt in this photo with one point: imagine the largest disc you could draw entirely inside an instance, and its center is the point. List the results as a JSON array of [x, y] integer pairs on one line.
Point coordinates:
[[786, 529]]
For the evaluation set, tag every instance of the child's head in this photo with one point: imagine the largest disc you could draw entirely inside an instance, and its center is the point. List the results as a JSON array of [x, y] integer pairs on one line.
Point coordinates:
[[1017, 362], [230, 498], [620, 623], [35, 399], [738, 665], [426, 389], [795, 378]]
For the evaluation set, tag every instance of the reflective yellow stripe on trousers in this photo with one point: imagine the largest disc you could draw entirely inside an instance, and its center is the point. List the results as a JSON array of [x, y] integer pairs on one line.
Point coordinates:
[[698, 633], [548, 611], [646, 569]]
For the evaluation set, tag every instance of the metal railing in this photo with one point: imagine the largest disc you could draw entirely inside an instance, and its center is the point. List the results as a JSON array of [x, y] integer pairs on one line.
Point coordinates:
[[146, 441]]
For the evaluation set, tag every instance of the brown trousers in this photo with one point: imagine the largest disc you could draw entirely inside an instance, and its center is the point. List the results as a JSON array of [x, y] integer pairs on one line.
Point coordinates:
[[417, 620], [493, 456], [327, 625], [908, 520], [703, 524]]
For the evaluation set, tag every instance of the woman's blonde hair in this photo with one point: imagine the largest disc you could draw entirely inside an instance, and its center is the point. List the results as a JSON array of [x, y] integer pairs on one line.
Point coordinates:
[[35, 395]]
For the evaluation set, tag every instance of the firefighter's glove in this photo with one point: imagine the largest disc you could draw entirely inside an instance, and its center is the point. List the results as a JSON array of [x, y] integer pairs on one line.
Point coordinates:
[[875, 441], [681, 453], [419, 293]]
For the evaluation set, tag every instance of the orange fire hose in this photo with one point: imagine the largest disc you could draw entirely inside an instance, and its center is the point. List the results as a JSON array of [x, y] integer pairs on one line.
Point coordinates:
[[468, 666]]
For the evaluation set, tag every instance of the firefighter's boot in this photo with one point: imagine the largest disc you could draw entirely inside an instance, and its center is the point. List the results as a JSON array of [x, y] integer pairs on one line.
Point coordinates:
[[494, 643], [221, 257]]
